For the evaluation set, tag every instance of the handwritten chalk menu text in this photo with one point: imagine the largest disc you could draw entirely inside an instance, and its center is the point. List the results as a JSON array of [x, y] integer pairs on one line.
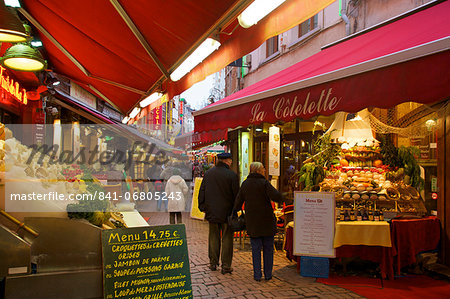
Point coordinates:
[[314, 224], [146, 263]]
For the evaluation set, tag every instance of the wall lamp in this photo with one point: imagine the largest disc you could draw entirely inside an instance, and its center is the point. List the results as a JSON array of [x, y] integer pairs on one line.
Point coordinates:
[[11, 28], [22, 57], [36, 43], [256, 11], [204, 50]]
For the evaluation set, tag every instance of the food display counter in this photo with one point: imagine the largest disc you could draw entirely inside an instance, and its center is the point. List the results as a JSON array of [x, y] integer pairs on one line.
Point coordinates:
[[376, 189], [408, 237], [50, 240]]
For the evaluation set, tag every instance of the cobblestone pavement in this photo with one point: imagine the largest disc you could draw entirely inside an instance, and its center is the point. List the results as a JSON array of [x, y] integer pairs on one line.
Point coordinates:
[[286, 282]]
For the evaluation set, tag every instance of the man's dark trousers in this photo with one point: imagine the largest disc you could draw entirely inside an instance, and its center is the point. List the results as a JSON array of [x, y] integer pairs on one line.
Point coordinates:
[[215, 231]]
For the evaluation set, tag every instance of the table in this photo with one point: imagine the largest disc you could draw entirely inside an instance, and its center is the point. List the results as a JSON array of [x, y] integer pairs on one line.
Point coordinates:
[[412, 236], [370, 240], [369, 233]]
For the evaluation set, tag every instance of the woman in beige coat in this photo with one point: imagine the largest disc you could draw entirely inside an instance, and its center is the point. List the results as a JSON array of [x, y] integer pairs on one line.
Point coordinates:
[[177, 192]]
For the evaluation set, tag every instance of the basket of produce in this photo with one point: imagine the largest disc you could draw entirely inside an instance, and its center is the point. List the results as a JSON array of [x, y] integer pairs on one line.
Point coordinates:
[[392, 193], [413, 192]]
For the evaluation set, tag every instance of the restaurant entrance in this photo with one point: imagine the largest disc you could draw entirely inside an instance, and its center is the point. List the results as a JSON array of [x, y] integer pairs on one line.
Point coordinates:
[[295, 150], [7, 117]]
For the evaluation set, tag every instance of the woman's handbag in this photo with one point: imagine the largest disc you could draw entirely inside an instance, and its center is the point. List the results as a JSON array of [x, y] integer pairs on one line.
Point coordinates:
[[237, 223]]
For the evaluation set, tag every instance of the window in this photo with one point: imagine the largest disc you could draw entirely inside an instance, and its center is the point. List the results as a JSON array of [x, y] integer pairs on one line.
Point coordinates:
[[271, 46], [308, 25]]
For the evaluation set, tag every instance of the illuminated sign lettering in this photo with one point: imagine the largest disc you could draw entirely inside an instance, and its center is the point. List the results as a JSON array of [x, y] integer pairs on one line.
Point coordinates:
[[12, 87]]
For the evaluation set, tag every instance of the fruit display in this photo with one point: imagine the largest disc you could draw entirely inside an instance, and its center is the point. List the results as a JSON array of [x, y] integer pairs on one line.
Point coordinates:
[[360, 173], [361, 156], [368, 187]]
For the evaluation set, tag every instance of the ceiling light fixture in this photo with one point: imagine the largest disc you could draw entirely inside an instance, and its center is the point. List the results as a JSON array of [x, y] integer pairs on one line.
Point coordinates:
[[203, 51], [125, 120], [135, 112], [11, 28], [36, 43], [12, 3], [22, 57], [150, 99], [256, 11]]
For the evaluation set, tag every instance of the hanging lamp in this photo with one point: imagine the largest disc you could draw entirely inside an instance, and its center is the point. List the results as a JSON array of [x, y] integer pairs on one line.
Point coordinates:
[[11, 28], [23, 57]]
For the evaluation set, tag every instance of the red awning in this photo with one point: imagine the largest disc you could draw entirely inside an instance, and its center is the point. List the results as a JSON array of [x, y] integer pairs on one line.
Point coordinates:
[[207, 138], [199, 140], [102, 43], [407, 60]]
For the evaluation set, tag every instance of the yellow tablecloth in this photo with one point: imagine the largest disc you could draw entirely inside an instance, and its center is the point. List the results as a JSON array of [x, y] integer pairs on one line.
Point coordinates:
[[370, 233]]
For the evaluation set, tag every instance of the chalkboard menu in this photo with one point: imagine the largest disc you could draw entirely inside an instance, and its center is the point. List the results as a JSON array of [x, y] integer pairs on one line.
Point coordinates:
[[146, 262]]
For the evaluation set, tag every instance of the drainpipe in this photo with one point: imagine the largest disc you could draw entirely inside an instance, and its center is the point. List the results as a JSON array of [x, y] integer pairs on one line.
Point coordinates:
[[344, 16]]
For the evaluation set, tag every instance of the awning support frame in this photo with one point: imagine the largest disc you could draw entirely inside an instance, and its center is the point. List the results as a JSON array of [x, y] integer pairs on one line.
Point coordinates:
[[139, 36], [73, 59]]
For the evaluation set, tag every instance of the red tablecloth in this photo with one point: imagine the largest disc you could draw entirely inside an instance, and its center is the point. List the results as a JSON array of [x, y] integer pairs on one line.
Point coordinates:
[[409, 237], [412, 236]]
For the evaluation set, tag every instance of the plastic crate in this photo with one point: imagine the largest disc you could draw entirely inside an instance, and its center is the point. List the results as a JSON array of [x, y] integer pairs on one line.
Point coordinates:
[[314, 266]]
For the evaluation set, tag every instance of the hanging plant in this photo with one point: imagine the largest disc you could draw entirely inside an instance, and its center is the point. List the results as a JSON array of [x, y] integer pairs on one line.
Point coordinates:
[[390, 152]]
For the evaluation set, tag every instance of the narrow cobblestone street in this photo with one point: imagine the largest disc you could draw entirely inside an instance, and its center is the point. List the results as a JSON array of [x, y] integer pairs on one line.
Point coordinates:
[[286, 282]]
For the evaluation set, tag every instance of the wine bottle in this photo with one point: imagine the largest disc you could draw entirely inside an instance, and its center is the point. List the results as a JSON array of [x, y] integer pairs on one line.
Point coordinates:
[[341, 214], [346, 216], [364, 215], [376, 216], [352, 215], [381, 215], [370, 215], [359, 216]]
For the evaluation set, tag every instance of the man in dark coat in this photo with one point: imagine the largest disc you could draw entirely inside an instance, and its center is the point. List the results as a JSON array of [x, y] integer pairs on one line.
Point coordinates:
[[216, 197], [257, 193]]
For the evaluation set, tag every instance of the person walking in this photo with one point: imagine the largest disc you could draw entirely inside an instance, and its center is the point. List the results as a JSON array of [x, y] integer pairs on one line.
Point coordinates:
[[256, 193], [176, 192], [197, 170], [216, 197], [156, 185]]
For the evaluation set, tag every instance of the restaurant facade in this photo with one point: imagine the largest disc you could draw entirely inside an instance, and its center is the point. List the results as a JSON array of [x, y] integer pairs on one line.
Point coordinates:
[[395, 69]]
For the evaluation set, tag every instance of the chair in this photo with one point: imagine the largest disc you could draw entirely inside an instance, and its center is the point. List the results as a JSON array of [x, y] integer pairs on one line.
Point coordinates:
[[241, 235], [282, 222], [288, 213]]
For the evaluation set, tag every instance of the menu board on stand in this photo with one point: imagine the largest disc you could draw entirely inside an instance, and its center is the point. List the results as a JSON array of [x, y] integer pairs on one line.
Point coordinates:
[[314, 222]]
